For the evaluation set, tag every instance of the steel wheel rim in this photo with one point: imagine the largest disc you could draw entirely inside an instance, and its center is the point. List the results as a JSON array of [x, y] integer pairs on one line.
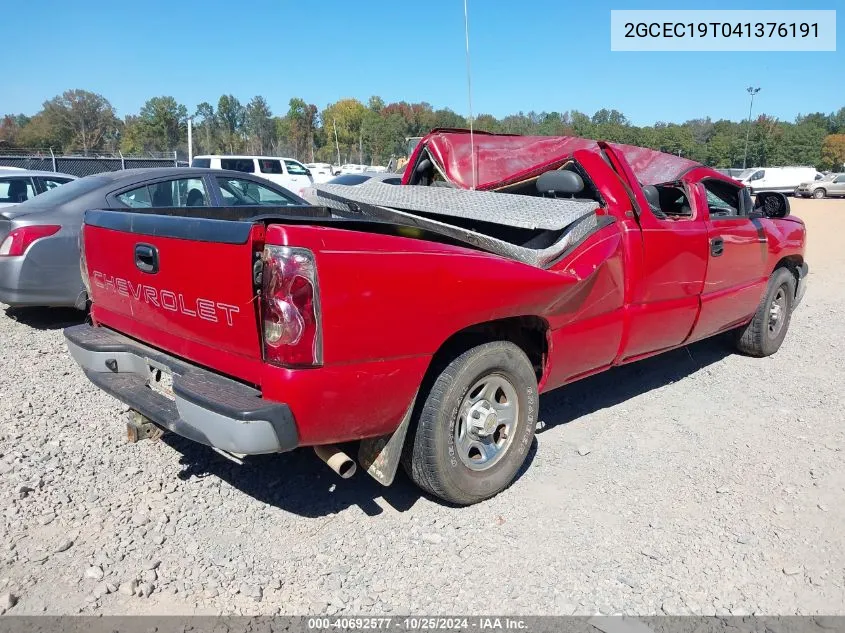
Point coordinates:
[[486, 423], [777, 312]]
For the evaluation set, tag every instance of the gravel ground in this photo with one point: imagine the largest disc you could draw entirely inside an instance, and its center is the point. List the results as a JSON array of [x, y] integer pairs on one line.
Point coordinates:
[[696, 482]]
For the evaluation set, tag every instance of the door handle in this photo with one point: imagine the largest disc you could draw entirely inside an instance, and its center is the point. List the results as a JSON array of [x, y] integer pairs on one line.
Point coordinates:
[[146, 258], [717, 246]]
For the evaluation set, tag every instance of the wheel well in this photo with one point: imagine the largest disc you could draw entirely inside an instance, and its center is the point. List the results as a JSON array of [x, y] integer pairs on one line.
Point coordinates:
[[527, 332], [791, 263]]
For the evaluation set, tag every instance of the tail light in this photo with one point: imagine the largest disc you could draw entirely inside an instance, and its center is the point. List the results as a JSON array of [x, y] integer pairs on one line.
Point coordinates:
[[18, 240], [291, 307]]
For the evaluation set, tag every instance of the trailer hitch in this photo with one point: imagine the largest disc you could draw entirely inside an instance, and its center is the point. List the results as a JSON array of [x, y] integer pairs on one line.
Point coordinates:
[[139, 427]]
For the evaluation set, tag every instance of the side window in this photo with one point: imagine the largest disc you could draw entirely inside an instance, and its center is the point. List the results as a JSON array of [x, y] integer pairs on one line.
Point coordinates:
[[246, 165], [138, 198], [295, 169], [840, 179], [189, 192], [52, 182], [670, 200], [239, 193], [758, 175], [204, 163], [723, 199], [185, 192], [270, 166], [14, 190]]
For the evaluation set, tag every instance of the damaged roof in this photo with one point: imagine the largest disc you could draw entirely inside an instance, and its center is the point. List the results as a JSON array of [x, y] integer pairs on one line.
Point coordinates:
[[503, 159]]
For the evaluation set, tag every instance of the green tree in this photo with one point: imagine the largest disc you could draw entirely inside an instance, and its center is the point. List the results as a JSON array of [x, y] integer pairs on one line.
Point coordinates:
[[836, 124], [9, 131], [259, 126], [833, 152], [605, 116], [299, 127], [206, 124], [347, 117], [447, 118], [376, 104], [164, 123], [230, 118], [132, 139], [81, 119]]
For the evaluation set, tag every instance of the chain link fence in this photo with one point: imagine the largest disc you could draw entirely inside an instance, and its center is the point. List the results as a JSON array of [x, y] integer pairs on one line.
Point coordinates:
[[83, 163]]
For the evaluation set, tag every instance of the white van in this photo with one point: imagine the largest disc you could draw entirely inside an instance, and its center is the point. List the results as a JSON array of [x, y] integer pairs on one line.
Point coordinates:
[[783, 179], [287, 172]]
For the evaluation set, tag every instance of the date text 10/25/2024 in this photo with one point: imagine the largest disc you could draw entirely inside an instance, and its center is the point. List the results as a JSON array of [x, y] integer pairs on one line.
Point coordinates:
[[421, 623]]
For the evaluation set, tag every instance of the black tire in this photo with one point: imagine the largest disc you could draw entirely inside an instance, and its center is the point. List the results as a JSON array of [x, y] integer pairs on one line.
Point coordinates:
[[819, 193], [431, 457], [765, 333]]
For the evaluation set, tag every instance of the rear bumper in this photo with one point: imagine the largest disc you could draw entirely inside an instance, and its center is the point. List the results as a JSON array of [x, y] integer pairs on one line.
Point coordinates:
[[22, 283], [803, 270], [207, 408]]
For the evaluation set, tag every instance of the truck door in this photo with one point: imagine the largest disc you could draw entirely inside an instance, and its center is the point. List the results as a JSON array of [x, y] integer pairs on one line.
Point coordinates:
[[663, 297], [737, 257], [665, 303]]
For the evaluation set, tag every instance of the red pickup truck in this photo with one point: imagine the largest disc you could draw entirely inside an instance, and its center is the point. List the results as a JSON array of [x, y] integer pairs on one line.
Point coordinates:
[[423, 320]]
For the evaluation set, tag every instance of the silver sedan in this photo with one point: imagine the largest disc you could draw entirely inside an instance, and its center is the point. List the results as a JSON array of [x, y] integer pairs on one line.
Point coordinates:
[[39, 250], [20, 185]]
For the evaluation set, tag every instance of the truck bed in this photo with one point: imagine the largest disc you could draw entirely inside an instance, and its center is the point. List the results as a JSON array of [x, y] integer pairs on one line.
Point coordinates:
[[533, 230]]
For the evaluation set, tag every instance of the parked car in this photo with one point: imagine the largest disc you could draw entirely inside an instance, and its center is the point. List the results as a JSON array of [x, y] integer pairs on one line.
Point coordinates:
[[832, 185], [39, 251], [287, 172], [320, 172], [352, 180], [379, 169], [430, 346], [783, 179], [352, 168], [20, 185]]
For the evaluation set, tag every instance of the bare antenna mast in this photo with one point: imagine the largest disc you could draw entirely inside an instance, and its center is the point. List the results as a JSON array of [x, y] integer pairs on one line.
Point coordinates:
[[469, 99]]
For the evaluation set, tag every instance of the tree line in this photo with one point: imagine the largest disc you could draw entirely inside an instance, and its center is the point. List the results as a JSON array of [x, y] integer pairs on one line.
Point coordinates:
[[372, 133]]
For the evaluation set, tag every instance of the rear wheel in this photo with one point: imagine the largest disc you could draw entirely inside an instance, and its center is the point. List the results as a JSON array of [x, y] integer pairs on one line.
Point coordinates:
[[475, 425], [764, 335], [819, 193]]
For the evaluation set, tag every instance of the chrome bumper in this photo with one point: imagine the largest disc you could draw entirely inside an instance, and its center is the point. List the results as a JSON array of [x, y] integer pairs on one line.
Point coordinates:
[[206, 407]]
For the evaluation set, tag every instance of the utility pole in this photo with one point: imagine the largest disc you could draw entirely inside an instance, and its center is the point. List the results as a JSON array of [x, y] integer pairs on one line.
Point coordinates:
[[336, 144], [751, 91], [190, 140]]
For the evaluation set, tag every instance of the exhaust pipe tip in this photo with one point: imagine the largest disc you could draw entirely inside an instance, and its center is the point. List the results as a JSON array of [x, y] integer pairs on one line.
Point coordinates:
[[343, 465]]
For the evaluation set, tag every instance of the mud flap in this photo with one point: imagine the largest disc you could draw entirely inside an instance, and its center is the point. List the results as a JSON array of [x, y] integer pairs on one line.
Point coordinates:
[[380, 455]]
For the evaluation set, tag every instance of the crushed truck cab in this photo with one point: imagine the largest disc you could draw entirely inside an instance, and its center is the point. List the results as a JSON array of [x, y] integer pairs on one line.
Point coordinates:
[[423, 320]]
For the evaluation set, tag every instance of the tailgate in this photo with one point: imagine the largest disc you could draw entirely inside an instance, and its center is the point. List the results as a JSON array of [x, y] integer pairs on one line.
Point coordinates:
[[183, 284]]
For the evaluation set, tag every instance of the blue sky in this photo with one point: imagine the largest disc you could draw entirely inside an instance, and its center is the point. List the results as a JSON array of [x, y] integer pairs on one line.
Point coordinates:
[[528, 55]]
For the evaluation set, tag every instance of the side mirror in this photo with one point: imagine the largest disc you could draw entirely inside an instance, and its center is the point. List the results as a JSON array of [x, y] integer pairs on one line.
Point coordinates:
[[771, 204], [560, 182]]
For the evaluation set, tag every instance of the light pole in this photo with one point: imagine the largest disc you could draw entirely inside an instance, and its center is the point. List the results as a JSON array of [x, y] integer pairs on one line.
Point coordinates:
[[752, 91], [190, 140]]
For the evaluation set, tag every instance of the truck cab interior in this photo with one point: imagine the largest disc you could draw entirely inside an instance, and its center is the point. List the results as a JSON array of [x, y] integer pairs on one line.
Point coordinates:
[[668, 200]]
